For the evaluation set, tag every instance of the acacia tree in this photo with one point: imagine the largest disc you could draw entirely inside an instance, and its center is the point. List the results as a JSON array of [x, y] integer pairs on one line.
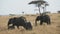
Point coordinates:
[[38, 4], [44, 8]]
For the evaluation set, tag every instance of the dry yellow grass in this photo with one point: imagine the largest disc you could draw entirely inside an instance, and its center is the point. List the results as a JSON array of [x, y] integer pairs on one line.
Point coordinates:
[[54, 28]]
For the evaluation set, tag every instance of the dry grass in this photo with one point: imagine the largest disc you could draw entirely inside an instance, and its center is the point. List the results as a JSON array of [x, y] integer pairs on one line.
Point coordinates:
[[54, 28]]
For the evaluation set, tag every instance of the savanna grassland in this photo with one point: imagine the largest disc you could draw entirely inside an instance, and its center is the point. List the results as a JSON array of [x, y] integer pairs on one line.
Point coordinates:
[[54, 28]]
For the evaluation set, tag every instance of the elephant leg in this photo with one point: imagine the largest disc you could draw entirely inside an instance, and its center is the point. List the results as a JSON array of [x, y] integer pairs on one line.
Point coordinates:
[[18, 27], [48, 23], [41, 22]]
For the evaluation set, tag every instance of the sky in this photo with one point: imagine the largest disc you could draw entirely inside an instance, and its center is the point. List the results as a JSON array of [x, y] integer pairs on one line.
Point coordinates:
[[19, 6]]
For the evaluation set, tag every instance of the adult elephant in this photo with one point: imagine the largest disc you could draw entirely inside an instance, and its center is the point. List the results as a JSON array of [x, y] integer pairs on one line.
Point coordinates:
[[21, 21], [43, 18]]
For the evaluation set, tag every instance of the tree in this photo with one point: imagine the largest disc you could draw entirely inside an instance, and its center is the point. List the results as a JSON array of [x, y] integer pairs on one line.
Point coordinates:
[[38, 4], [58, 11], [45, 5], [22, 12]]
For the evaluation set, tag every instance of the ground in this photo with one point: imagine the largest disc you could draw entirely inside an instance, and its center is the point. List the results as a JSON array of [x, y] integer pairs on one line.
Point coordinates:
[[54, 28]]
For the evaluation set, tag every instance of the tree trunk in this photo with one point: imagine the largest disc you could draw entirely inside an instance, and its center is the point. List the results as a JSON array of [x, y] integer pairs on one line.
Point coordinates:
[[43, 9], [39, 10]]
